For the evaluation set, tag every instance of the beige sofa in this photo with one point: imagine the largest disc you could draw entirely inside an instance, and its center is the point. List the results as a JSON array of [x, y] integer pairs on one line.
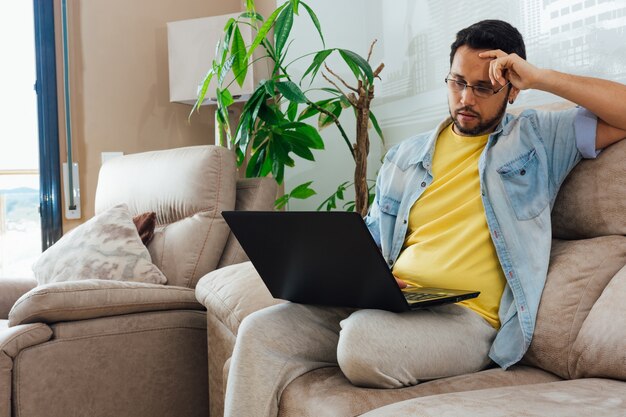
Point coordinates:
[[576, 364], [93, 348]]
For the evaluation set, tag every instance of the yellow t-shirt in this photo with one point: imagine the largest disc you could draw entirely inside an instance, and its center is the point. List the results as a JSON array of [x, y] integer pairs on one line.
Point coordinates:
[[448, 243]]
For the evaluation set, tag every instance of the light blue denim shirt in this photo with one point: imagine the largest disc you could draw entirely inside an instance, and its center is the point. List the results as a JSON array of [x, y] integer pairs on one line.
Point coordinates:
[[521, 169]]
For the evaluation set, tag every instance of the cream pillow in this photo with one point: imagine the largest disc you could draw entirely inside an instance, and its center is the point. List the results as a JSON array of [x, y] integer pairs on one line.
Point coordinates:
[[107, 246]]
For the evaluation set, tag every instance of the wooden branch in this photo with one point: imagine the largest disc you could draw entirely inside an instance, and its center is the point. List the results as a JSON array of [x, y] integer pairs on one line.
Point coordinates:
[[378, 70], [338, 88], [340, 79], [369, 55]]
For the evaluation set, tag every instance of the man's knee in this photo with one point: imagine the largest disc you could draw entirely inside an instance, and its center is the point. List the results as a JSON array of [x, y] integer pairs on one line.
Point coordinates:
[[360, 358], [261, 324]]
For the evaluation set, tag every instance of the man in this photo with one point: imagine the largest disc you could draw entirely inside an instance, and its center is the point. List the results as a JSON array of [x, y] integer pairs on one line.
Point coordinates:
[[464, 206]]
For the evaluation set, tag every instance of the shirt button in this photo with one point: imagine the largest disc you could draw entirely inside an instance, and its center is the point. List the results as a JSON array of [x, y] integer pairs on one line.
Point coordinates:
[[404, 221], [423, 184], [522, 172], [390, 262]]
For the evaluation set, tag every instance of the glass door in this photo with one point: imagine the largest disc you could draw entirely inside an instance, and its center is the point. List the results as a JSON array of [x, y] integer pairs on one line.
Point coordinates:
[[20, 224]]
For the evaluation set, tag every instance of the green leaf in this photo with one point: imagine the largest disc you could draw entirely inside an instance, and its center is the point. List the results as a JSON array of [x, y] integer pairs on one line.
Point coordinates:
[[318, 60], [281, 202], [270, 88], [228, 25], [225, 69], [325, 120], [203, 89], [240, 64], [242, 136], [332, 91], [250, 6], [302, 191], [294, 4], [228, 33], [263, 31], [283, 26], [345, 103], [226, 98], [305, 132], [315, 20], [291, 91], [354, 61], [254, 164], [377, 126], [260, 138], [302, 151], [281, 150], [278, 171], [266, 167], [292, 111], [311, 110], [268, 114], [251, 15]]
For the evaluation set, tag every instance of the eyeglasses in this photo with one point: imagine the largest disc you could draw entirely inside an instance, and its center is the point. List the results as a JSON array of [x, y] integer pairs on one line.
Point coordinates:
[[481, 92]]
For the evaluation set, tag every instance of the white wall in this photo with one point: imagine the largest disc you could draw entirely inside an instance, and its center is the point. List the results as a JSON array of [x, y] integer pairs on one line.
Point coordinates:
[[585, 37]]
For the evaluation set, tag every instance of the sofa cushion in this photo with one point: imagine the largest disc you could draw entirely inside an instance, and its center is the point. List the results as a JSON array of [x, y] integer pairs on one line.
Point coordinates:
[[188, 188], [592, 199], [578, 273], [600, 348], [583, 397], [105, 247], [326, 392]]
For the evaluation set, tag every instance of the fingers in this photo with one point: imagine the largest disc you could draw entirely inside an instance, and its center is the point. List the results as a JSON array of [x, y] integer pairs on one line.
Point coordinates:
[[499, 64], [401, 283]]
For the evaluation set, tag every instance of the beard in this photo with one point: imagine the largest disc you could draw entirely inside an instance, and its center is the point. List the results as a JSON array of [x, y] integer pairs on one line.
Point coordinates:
[[483, 126]]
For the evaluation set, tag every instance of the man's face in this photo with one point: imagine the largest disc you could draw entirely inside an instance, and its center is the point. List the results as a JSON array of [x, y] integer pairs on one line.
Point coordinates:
[[472, 115]]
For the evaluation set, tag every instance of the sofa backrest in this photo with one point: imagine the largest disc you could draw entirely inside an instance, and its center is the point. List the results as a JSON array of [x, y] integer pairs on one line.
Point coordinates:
[[188, 188], [252, 194], [581, 322]]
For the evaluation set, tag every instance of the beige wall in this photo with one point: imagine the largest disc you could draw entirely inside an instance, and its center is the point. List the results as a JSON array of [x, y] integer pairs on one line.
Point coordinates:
[[119, 83]]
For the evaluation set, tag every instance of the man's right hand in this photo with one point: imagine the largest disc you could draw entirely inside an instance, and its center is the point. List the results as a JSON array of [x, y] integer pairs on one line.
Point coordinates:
[[401, 283]]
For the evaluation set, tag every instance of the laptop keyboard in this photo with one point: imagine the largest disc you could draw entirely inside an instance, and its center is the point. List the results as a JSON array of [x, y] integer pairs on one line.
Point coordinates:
[[420, 296]]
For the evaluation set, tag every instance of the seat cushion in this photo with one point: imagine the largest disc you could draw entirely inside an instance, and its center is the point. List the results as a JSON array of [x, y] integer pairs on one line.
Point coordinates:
[[581, 397], [326, 392]]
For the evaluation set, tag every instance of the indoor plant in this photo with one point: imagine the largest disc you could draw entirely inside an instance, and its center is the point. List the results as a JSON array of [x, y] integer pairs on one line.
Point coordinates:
[[271, 126]]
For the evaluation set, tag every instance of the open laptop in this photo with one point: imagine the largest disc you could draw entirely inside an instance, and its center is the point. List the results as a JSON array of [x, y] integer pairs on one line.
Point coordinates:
[[327, 258]]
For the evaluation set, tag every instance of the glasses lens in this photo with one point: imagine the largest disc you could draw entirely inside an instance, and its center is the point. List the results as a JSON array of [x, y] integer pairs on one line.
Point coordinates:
[[483, 92], [455, 85]]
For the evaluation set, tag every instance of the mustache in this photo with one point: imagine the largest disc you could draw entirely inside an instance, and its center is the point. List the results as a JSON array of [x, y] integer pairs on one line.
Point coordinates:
[[467, 110]]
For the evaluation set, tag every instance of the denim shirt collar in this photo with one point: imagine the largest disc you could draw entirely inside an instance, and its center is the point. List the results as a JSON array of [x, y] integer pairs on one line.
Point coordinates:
[[425, 156]]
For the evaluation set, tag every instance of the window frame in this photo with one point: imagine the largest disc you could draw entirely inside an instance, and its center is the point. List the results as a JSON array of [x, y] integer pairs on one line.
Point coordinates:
[[50, 208]]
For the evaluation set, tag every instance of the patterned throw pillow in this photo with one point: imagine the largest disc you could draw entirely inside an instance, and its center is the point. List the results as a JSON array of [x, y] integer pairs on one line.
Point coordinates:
[[107, 246]]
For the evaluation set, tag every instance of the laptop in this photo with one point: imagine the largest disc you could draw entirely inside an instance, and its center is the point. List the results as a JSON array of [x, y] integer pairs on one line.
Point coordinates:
[[327, 258]]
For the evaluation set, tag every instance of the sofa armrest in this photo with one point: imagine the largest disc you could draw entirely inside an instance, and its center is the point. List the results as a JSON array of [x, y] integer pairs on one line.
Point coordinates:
[[10, 290], [233, 292], [12, 341], [88, 299]]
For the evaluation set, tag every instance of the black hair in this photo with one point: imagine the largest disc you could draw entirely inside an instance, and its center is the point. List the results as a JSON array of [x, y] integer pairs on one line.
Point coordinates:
[[490, 34]]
